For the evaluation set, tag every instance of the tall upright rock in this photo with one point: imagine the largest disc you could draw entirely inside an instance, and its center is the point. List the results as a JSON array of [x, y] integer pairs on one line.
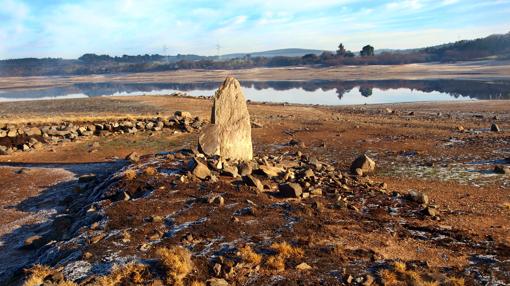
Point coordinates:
[[229, 134]]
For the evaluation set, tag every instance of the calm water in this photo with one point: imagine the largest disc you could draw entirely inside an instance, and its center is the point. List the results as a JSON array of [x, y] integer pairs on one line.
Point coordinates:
[[324, 92]]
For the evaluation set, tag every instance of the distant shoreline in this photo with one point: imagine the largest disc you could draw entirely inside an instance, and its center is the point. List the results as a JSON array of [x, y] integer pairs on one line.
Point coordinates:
[[480, 70]]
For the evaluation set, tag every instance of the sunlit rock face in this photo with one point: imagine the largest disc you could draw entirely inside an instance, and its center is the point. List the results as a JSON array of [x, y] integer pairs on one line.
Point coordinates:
[[229, 134]]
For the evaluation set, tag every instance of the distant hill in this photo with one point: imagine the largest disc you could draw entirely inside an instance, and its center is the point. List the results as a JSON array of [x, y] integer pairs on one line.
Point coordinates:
[[293, 52], [493, 46]]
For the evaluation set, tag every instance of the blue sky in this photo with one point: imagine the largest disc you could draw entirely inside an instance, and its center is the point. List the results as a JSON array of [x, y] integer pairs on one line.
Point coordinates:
[[68, 29]]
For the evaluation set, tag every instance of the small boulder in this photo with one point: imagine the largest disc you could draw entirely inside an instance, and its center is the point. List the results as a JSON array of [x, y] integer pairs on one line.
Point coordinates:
[[419, 197], [303, 266], [12, 133], [364, 163], [230, 171], [500, 169], [217, 282], [34, 242], [270, 171], [308, 174], [182, 114], [245, 169], [255, 124], [495, 128], [133, 157], [199, 169], [290, 190], [253, 182]]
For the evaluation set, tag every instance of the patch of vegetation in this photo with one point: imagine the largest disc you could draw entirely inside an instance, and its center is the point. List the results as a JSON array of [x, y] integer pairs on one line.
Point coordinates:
[[177, 263], [249, 256], [124, 275], [284, 251]]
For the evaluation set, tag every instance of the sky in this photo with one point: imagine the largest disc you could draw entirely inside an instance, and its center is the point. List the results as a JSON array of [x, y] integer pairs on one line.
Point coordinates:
[[68, 29]]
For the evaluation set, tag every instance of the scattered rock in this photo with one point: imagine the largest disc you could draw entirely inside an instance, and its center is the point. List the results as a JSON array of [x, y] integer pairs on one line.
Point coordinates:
[[495, 128], [87, 178], [430, 211], [182, 114], [245, 169], [133, 157], [419, 197], [25, 148], [199, 169], [270, 171], [358, 172], [34, 242], [255, 124], [369, 280], [253, 182], [303, 266], [315, 163], [500, 169], [3, 150], [230, 171], [290, 190], [364, 163], [217, 200], [308, 174], [229, 134], [217, 282]]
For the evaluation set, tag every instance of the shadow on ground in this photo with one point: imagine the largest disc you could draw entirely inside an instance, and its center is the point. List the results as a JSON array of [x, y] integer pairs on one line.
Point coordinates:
[[49, 206]]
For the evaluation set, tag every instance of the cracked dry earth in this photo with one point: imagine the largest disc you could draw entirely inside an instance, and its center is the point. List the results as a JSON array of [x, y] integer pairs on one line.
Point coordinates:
[[375, 235]]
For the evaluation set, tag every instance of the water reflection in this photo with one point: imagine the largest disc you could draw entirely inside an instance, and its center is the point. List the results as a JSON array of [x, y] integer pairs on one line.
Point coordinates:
[[316, 91]]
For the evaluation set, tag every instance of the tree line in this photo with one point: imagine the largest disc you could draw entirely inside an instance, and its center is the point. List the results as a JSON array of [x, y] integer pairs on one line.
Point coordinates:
[[495, 46]]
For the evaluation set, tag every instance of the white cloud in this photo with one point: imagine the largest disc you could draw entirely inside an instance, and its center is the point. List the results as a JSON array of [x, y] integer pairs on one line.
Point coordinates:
[[405, 4], [117, 27]]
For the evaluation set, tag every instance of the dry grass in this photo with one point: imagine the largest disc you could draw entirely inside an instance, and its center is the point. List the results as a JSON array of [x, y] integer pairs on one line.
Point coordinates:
[[249, 256], [127, 274], [284, 251], [177, 263], [38, 273], [276, 262], [150, 171], [388, 277], [130, 175], [454, 281], [197, 283], [399, 266], [398, 274]]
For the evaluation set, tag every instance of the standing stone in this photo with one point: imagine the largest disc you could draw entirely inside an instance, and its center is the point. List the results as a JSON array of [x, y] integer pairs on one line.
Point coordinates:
[[229, 134]]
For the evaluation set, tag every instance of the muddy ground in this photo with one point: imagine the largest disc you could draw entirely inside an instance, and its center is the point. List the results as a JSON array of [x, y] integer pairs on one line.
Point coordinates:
[[416, 147]]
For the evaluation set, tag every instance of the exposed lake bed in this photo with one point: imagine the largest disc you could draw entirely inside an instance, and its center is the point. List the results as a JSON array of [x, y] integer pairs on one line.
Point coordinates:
[[425, 147]]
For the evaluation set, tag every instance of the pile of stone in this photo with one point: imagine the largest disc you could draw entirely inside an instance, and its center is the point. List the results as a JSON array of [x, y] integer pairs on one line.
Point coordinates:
[[25, 138], [225, 148], [290, 175]]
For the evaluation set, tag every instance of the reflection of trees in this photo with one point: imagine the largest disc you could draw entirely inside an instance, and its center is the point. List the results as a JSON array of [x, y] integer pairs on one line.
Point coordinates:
[[365, 91], [455, 88]]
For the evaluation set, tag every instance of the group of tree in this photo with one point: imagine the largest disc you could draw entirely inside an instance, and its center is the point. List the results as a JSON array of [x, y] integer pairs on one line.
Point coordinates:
[[495, 47]]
